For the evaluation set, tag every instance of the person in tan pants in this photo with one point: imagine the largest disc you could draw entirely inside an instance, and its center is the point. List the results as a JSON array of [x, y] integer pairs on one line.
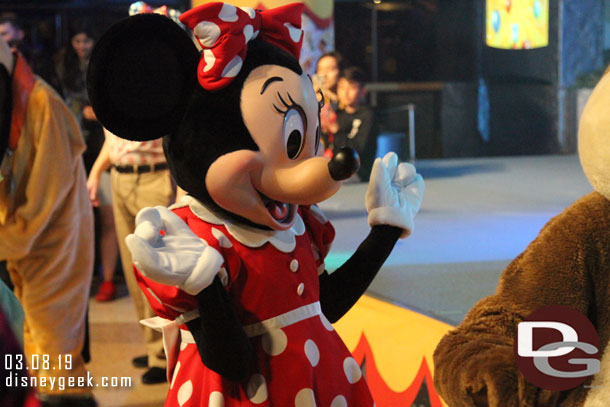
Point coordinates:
[[46, 228], [140, 178]]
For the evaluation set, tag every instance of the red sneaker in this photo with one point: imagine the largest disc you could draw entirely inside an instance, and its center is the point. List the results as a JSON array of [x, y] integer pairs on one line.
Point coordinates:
[[106, 292]]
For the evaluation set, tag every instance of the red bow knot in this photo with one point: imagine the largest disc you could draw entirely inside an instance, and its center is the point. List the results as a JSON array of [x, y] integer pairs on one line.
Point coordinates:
[[223, 31]]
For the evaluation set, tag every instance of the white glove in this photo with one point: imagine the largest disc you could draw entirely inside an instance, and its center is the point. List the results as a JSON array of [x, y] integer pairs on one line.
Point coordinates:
[[394, 194], [179, 258]]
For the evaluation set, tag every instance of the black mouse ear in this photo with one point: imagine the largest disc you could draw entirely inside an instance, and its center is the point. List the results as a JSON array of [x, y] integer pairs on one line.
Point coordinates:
[[141, 74]]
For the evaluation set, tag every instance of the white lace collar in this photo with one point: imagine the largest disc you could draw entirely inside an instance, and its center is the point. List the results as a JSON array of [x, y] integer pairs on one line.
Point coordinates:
[[284, 240]]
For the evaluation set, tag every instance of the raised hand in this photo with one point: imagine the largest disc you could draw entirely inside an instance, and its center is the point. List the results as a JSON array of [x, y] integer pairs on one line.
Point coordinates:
[[394, 194]]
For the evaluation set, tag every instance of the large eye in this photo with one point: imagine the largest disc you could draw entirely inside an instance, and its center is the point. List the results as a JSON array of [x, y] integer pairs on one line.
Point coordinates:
[[294, 132]]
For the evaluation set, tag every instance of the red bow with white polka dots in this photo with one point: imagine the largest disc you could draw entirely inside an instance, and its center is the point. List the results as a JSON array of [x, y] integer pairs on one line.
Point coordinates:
[[223, 31]]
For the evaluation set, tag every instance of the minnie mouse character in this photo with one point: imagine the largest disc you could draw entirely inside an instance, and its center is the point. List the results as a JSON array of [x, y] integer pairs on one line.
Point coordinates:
[[235, 270]]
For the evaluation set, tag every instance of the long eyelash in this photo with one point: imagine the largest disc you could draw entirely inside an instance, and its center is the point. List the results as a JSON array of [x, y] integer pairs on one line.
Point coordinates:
[[288, 106], [284, 102], [277, 109], [292, 105]]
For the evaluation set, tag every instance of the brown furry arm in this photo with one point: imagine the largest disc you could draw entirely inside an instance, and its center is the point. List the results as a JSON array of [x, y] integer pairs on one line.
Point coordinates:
[[474, 364]]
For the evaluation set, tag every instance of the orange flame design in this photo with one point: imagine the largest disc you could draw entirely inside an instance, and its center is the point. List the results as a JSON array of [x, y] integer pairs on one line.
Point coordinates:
[[382, 394]]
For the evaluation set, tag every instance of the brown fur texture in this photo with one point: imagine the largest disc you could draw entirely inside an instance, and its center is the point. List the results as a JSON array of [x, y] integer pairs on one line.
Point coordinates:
[[567, 264]]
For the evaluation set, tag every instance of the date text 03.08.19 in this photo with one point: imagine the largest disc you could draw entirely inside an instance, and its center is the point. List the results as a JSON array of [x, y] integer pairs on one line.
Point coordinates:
[[37, 362]]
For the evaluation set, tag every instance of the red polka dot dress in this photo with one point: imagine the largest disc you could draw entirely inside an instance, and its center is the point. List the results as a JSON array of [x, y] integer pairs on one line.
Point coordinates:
[[272, 279]]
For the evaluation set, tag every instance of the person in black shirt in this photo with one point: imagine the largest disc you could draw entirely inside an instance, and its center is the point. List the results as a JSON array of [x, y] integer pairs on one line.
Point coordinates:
[[356, 122]]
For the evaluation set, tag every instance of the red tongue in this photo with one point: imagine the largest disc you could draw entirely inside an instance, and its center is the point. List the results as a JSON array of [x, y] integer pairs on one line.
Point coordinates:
[[278, 210]]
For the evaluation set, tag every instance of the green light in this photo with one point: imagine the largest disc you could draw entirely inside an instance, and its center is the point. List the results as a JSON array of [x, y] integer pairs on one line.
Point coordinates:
[[334, 260]]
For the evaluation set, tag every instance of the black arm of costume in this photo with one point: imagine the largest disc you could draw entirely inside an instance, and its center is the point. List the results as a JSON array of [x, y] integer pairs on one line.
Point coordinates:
[[340, 290], [222, 343]]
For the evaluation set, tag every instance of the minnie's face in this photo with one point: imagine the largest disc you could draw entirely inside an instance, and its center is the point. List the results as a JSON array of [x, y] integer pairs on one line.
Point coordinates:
[[281, 111]]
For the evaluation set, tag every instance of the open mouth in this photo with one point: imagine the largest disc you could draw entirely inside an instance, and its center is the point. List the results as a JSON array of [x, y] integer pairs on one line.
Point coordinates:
[[281, 212]]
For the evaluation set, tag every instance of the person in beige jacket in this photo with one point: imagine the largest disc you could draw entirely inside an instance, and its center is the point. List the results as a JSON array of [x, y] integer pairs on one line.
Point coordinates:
[[46, 228]]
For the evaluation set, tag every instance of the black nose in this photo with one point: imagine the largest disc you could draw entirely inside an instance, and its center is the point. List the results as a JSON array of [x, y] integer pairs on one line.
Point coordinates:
[[344, 164]]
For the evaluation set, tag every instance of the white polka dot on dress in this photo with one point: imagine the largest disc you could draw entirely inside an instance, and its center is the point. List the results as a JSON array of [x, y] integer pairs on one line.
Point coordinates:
[[312, 352], [274, 342], [339, 401], [223, 240], [352, 370], [257, 389], [232, 68], [185, 392], [207, 32], [228, 13], [183, 346], [326, 323], [176, 370], [305, 398], [209, 58], [216, 399]]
